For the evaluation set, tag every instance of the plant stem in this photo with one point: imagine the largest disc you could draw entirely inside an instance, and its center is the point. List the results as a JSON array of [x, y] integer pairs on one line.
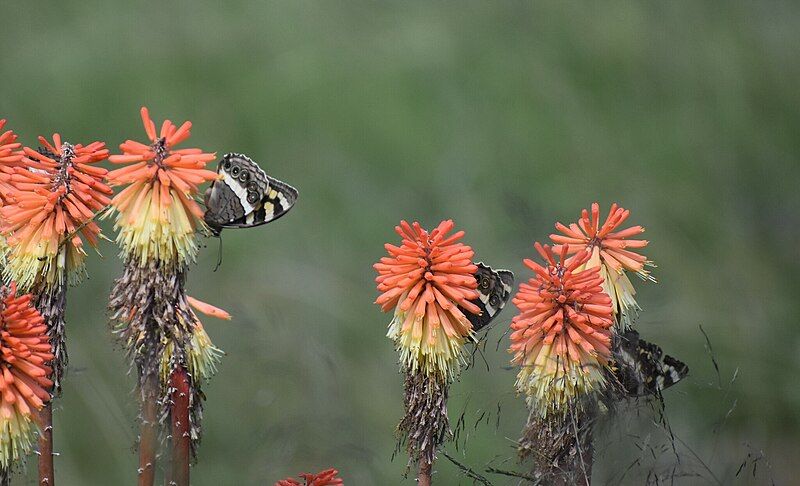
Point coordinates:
[[424, 478], [181, 438], [46, 470], [148, 431], [51, 301]]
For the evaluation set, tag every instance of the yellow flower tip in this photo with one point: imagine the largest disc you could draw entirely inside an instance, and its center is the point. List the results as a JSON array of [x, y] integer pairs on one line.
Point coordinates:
[[427, 281], [208, 309], [157, 217], [551, 383], [202, 356]]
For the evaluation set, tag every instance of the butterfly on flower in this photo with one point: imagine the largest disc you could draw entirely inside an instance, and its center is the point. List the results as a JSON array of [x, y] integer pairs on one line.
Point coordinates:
[[641, 368], [245, 196], [494, 290]]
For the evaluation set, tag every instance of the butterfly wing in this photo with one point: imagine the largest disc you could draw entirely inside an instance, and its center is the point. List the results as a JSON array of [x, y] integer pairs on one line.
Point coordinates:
[[642, 368], [494, 289], [245, 196]]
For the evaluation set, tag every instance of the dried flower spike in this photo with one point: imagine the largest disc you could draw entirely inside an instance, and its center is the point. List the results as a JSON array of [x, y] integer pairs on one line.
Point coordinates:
[[611, 251], [561, 338], [424, 281], [25, 386], [50, 205], [324, 478]]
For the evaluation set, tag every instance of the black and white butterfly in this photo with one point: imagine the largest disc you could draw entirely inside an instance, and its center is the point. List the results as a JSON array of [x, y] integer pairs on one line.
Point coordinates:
[[494, 289], [641, 368], [245, 196]]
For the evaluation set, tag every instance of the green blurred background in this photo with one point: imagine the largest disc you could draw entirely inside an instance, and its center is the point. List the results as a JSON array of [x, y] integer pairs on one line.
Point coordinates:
[[503, 116]]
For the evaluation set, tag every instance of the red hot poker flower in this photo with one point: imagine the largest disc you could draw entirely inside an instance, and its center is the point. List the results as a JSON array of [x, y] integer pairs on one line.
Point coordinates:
[[561, 338], [610, 249], [24, 386], [157, 215], [324, 478], [424, 281], [53, 197]]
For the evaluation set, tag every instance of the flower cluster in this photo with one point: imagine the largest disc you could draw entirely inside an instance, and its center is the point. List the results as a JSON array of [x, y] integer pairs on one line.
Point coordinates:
[[24, 387], [327, 477], [156, 215], [610, 251], [50, 203], [425, 280], [561, 338]]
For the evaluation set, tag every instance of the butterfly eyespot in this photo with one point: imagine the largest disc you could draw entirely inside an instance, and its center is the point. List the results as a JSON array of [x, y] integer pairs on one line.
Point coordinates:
[[244, 176], [493, 300], [484, 283], [252, 197], [252, 186], [227, 164], [235, 171]]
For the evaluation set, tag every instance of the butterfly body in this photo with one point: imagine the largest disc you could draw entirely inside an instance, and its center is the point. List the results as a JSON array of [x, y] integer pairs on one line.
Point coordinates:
[[641, 368], [494, 290], [245, 196]]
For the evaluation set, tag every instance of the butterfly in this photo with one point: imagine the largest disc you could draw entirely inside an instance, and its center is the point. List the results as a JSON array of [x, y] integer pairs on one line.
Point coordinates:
[[494, 290], [245, 196], [641, 368]]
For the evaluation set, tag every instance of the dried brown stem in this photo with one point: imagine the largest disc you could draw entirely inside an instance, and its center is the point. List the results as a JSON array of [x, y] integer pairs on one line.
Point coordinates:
[[46, 470], [51, 302], [5, 476], [148, 431], [181, 436], [560, 445], [424, 478]]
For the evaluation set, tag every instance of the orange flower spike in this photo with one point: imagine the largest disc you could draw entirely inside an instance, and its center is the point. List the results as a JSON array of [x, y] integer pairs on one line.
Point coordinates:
[[156, 214], [427, 280], [610, 249], [48, 198], [329, 477], [561, 338], [24, 386], [588, 235]]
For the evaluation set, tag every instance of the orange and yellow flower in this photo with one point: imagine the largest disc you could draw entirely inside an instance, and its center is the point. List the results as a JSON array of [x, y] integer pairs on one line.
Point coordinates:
[[51, 202], [424, 281], [561, 339], [327, 477], [157, 216], [10, 156], [24, 386], [610, 251]]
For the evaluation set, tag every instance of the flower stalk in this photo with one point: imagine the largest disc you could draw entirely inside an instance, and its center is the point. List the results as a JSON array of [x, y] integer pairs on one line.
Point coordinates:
[[181, 435], [428, 283], [561, 341], [157, 221], [51, 197]]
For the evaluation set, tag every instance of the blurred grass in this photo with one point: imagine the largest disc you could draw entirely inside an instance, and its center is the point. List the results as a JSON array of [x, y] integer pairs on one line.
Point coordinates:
[[504, 117]]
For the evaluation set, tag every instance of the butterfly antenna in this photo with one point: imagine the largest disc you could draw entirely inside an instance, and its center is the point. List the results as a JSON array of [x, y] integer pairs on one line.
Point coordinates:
[[219, 254]]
